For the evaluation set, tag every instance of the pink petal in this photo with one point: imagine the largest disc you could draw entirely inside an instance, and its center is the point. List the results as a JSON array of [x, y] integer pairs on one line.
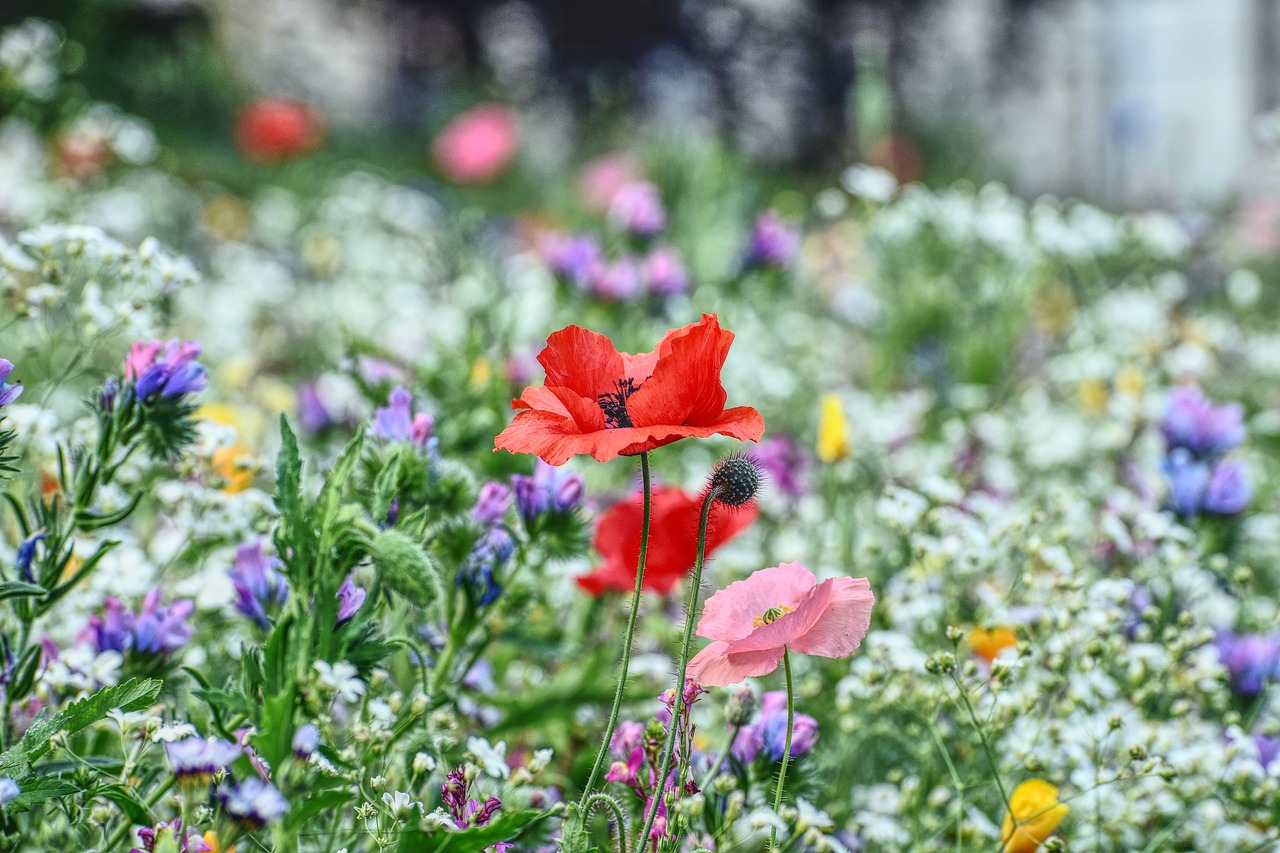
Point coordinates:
[[729, 614], [786, 630], [716, 666], [844, 624]]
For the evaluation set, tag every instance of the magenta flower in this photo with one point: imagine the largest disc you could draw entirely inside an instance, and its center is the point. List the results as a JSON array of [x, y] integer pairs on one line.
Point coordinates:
[[664, 273], [478, 145], [637, 208], [753, 621]]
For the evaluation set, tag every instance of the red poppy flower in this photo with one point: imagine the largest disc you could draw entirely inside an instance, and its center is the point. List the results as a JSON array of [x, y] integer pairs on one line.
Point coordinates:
[[272, 130], [597, 400], [673, 539]]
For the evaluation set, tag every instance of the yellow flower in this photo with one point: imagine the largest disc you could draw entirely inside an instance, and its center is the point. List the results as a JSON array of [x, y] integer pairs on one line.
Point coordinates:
[[481, 373], [1035, 809], [234, 465], [1093, 396], [833, 430], [989, 644], [211, 838], [1129, 380]]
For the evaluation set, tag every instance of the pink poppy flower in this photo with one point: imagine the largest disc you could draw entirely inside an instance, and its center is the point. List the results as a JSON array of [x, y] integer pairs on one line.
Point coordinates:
[[753, 621], [477, 145]]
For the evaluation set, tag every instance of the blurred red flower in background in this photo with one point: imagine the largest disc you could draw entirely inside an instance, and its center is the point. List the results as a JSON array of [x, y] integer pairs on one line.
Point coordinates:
[[477, 145], [673, 541], [273, 130]]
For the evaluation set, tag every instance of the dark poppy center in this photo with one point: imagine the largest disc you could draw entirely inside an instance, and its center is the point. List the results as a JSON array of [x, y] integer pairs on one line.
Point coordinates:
[[614, 404]]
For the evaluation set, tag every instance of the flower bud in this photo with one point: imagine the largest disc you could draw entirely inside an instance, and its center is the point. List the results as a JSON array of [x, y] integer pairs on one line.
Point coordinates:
[[735, 481], [740, 707]]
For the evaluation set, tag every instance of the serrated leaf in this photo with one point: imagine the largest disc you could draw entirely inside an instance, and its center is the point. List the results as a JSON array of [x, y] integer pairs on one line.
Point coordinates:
[[37, 790], [331, 495], [288, 474], [385, 486], [133, 695]]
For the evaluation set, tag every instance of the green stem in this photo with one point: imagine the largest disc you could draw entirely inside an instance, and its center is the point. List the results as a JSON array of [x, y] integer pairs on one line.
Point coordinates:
[[714, 770], [678, 708], [986, 743], [617, 816], [631, 630], [786, 748]]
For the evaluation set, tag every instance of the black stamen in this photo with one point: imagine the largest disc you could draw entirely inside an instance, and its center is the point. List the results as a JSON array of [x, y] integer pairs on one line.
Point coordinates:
[[614, 404]]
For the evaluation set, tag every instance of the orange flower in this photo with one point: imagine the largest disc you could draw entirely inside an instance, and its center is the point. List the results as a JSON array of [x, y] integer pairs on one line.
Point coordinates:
[[989, 644], [1034, 814], [229, 464], [597, 400]]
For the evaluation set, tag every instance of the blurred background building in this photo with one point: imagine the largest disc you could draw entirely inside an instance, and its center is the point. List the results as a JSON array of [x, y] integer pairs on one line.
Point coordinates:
[[1129, 103]]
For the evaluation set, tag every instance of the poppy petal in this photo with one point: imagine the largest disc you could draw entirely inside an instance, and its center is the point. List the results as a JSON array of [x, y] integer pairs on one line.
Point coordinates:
[[728, 614], [791, 625], [841, 629], [685, 386], [582, 360], [717, 666]]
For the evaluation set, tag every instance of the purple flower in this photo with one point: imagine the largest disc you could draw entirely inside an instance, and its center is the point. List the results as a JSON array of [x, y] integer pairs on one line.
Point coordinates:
[[769, 735], [572, 257], [773, 242], [165, 370], [1252, 660], [306, 740], [350, 598], [617, 281], [254, 803], [491, 551], [664, 273], [27, 554], [194, 760], [161, 629], [8, 392], [193, 843], [395, 421], [637, 207], [1191, 421], [313, 414], [1268, 749], [784, 462], [1223, 488], [492, 503], [8, 790], [112, 629], [1229, 490], [628, 736], [549, 489], [257, 582]]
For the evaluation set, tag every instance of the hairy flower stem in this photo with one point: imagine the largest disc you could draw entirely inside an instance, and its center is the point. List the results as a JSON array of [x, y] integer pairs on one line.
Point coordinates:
[[786, 748], [631, 630], [678, 708]]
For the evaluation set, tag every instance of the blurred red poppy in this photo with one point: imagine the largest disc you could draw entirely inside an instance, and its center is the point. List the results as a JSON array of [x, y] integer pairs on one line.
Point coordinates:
[[273, 130], [599, 401], [673, 541]]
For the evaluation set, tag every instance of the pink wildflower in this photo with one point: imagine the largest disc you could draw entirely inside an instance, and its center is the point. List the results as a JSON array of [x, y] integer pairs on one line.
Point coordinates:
[[753, 621], [477, 145]]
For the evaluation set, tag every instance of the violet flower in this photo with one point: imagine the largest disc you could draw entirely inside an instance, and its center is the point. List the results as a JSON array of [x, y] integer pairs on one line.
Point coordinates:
[[194, 761], [617, 281], [257, 582], [8, 391], [165, 370], [550, 489], [637, 208], [492, 503], [664, 274], [572, 257], [396, 422], [1229, 490], [306, 740], [350, 599], [769, 735], [253, 803], [161, 629], [193, 843], [1252, 660], [27, 555], [784, 461], [490, 553], [8, 790], [1191, 421], [773, 242], [1220, 488]]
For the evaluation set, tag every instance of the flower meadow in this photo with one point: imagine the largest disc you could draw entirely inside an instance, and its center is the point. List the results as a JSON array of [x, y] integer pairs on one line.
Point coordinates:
[[673, 512]]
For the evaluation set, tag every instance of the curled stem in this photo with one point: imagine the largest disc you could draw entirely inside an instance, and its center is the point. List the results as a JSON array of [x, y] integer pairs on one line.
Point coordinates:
[[617, 816], [630, 634]]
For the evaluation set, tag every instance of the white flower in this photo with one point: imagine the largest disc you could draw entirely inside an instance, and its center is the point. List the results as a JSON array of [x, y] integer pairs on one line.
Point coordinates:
[[341, 679], [540, 760], [400, 805], [170, 732], [490, 759]]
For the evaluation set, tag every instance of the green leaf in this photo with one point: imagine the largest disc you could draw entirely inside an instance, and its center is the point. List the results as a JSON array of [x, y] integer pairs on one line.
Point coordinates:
[[37, 790], [331, 495], [406, 570], [385, 486], [88, 520], [133, 695], [224, 700], [288, 475], [573, 832], [129, 803], [20, 589], [315, 804]]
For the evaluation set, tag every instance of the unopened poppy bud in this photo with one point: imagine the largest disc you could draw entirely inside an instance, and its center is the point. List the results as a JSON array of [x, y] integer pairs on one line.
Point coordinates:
[[740, 706], [735, 481]]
